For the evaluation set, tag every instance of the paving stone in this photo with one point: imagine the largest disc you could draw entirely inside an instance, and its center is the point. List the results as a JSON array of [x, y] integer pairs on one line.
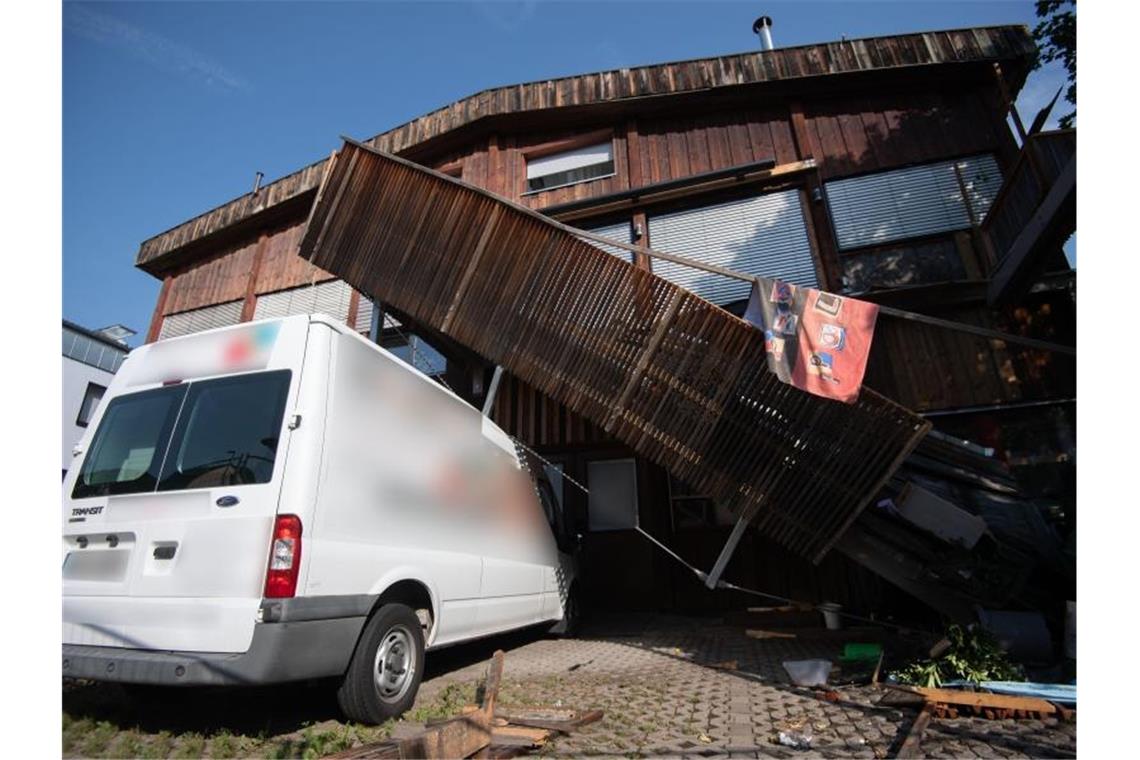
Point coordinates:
[[651, 678]]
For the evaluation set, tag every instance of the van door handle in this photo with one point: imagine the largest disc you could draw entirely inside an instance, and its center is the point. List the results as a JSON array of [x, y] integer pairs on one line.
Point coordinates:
[[165, 551]]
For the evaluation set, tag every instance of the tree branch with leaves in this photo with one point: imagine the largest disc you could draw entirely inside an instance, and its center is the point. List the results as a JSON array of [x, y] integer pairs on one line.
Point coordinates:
[[1056, 38]]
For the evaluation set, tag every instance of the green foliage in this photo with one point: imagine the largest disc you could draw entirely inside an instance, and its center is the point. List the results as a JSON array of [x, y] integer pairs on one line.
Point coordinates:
[[973, 655], [1056, 36], [449, 702]]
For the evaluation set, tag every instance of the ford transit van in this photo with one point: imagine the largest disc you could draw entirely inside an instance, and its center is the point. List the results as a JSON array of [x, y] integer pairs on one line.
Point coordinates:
[[284, 500]]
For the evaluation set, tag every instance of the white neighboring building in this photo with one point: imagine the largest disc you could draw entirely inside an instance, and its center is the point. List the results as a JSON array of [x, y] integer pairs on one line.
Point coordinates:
[[90, 360]]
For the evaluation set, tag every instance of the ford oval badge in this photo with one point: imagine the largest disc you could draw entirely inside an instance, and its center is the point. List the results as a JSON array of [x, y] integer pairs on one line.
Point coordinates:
[[226, 501]]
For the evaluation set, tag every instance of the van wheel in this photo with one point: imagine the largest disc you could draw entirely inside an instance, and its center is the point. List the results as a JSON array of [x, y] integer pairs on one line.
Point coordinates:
[[384, 674]]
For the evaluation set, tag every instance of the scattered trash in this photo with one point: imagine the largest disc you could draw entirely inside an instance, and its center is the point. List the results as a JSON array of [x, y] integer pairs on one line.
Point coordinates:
[[832, 696], [808, 672], [726, 665], [831, 618], [705, 738], [796, 739]]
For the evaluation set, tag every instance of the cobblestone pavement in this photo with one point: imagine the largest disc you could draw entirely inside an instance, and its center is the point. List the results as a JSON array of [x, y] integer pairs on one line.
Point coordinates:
[[656, 680]]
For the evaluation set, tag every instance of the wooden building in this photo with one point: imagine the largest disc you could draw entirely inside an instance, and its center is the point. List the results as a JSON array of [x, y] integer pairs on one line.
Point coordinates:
[[884, 167]]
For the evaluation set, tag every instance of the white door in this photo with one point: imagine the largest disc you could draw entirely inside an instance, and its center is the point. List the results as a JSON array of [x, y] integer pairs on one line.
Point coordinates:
[[171, 513]]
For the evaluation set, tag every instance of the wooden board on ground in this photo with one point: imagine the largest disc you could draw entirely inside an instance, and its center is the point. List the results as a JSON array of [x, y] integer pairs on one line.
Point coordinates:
[[484, 731], [909, 748]]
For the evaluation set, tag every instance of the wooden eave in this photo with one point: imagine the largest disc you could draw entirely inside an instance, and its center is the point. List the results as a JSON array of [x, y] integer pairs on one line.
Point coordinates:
[[802, 70]]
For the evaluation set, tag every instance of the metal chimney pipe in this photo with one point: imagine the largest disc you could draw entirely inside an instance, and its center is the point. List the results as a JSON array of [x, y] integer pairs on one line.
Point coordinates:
[[763, 28]]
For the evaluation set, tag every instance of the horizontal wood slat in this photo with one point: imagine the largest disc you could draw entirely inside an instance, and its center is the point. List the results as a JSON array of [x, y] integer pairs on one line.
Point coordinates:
[[681, 381]]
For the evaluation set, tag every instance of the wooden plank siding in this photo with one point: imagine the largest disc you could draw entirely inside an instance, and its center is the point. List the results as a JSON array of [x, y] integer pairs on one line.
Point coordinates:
[[916, 55], [928, 368]]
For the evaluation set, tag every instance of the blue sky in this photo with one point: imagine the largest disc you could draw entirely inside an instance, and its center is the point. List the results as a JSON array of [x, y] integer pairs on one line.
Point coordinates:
[[169, 108]]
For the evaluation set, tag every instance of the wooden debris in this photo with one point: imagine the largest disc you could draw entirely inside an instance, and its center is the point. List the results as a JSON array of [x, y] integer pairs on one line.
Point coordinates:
[[726, 665], [987, 703], [483, 731], [913, 738], [756, 633]]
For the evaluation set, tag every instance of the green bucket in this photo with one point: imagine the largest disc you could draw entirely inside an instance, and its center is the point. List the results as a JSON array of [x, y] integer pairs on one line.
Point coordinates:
[[861, 652]]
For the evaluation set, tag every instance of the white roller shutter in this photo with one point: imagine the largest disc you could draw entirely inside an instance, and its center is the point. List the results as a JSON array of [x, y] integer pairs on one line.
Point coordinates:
[[330, 298], [621, 231], [763, 235], [197, 320], [920, 200]]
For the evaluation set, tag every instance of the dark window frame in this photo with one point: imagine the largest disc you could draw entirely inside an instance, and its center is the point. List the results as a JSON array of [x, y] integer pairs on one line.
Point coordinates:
[[87, 392]]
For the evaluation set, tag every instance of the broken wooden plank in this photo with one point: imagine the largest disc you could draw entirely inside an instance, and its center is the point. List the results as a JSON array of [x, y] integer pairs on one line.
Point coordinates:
[[754, 633], [913, 738], [562, 725], [984, 700], [519, 736]]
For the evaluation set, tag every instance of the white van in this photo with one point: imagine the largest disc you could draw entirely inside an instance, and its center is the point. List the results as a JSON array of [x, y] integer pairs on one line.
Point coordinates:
[[284, 500]]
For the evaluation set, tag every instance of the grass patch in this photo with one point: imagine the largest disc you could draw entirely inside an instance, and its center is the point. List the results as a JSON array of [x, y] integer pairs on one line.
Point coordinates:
[[190, 746], [98, 739], [447, 703]]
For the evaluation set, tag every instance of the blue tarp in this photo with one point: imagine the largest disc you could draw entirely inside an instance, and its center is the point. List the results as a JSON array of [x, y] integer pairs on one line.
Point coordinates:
[[1063, 693]]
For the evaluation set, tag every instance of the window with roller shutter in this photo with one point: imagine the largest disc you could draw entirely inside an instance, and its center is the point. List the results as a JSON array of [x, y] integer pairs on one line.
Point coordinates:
[[332, 297], [912, 202], [762, 235], [621, 231], [197, 320]]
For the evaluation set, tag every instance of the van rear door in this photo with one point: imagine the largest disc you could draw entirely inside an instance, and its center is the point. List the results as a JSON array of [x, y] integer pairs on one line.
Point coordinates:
[[171, 513]]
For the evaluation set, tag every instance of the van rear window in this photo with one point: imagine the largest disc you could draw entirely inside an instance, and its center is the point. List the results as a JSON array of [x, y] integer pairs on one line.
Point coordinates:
[[221, 432]]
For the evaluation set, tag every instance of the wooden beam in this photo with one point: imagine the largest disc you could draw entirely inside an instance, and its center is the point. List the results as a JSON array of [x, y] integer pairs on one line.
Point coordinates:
[[353, 307], [982, 700], [805, 148], [1008, 101], [1051, 221], [159, 308], [697, 188], [909, 748], [249, 303]]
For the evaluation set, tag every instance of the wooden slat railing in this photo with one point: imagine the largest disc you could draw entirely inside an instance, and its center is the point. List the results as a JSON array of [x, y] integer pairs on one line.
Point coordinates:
[[681, 381]]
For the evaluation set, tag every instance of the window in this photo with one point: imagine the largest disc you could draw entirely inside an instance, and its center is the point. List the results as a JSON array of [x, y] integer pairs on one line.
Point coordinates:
[[419, 354], [620, 231], [227, 432], [613, 494], [126, 452], [692, 510], [920, 200], [197, 320], [193, 435], [570, 167], [91, 398], [764, 235], [331, 297]]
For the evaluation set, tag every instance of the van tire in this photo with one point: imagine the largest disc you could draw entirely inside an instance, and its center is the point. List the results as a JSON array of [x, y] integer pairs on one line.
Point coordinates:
[[392, 638]]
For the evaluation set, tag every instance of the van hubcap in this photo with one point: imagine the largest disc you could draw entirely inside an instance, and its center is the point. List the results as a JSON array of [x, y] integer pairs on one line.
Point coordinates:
[[395, 664]]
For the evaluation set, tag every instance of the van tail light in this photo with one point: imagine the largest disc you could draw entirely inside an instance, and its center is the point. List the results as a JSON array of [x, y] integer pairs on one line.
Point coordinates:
[[284, 558]]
